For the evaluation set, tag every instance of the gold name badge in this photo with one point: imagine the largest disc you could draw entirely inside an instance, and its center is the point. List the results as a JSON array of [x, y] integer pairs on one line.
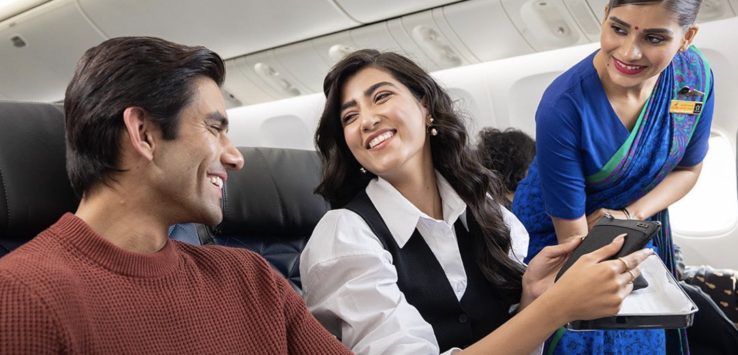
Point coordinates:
[[688, 107]]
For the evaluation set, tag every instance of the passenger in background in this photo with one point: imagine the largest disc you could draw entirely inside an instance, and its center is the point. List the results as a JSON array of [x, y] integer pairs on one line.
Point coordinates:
[[624, 133], [507, 153], [147, 147], [419, 258]]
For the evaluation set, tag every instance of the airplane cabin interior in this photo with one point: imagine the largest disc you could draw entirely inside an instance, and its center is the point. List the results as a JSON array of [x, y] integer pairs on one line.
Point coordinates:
[[495, 57]]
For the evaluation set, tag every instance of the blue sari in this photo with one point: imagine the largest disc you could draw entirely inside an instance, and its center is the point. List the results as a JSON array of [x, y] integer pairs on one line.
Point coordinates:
[[653, 149]]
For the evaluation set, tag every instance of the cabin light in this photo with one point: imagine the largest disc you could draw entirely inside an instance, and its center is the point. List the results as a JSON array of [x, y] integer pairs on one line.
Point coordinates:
[[10, 8], [338, 51], [547, 21], [272, 76], [436, 46]]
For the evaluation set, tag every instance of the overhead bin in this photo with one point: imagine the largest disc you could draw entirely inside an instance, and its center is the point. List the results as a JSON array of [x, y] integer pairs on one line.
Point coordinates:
[[436, 40], [485, 29], [333, 47], [40, 48], [598, 7], [241, 87], [271, 76], [545, 24], [304, 64], [383, 36], [9, 9], [376, 10], [228, 27], [587, 19], [711, 10]]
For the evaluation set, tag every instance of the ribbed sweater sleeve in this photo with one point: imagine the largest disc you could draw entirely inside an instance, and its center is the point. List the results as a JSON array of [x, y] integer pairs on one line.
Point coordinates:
[[306, 334], [71, 291], [26, 326]]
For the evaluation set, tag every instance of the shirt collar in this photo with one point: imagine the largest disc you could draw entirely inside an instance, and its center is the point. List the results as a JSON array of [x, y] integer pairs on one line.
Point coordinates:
[[401, 216]]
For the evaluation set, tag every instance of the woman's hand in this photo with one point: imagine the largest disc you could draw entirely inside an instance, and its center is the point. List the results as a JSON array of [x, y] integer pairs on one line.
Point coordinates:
[[542, 270], [595, 287]]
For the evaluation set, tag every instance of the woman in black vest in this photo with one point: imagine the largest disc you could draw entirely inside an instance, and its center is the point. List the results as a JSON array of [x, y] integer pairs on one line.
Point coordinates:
[[418, 258]]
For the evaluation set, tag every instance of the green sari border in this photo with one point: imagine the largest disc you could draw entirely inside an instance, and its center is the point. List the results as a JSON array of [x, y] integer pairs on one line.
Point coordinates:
[[623, 150], [708, 84]]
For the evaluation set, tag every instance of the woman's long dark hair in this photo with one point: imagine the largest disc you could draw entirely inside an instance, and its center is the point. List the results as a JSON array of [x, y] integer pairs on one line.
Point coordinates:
[[452, 157]]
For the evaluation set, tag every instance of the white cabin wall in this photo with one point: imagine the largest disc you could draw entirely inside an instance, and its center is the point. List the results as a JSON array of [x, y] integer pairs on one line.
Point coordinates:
[[288, 123]]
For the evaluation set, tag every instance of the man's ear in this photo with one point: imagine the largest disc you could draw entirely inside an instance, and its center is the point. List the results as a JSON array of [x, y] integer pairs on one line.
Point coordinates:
[[140, 131]]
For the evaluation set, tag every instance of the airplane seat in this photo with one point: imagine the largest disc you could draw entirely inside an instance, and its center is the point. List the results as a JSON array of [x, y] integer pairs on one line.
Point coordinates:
[[34, 188], [269, 206]]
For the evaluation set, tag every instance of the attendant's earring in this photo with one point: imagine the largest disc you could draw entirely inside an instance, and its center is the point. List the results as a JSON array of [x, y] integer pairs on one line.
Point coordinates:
[[433, 131], [363, 171]]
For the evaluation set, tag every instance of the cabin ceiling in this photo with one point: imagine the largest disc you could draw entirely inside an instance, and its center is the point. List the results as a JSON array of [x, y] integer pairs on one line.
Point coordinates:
[[281, 48]]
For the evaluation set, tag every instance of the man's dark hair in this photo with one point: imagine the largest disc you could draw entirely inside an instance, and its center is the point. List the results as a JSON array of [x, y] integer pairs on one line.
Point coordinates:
[[150, 73], [508, 153]]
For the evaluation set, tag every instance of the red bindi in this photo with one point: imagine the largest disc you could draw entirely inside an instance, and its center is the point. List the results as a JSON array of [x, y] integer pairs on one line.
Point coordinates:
[[636, 28]]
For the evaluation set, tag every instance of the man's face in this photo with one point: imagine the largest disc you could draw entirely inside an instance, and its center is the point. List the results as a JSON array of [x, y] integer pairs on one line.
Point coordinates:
[[191, 169]]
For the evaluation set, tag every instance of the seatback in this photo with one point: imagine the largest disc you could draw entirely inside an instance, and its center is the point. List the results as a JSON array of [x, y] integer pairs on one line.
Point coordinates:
[[269, 206], [34, 188]]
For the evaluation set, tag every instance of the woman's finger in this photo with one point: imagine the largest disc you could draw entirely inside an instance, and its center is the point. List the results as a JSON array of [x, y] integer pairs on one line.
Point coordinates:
[[636, 258], [566, 248], [610, 249]]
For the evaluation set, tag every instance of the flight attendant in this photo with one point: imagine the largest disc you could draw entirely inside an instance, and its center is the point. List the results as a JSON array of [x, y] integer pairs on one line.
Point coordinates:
[[624, 133]]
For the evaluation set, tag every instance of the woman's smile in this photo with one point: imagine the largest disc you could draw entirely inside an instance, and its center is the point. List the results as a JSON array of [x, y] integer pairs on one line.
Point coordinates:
[[377, 140], [628, 69]]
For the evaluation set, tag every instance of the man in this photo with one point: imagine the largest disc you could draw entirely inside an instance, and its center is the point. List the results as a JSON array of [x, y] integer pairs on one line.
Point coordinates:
[[147, 147]]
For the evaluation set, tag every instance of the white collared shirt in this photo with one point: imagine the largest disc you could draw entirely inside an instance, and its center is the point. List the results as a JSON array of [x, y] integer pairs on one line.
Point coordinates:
[[350, 281]]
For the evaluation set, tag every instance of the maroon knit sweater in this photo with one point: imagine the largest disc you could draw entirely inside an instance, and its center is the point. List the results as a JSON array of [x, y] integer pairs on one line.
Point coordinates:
[[70, 291]]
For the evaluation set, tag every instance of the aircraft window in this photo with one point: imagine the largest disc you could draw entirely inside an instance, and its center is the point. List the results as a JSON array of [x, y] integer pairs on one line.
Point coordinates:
[[711, 208]]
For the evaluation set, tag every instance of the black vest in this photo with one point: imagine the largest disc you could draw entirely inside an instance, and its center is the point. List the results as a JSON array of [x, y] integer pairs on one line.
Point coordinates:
[[425, 285]]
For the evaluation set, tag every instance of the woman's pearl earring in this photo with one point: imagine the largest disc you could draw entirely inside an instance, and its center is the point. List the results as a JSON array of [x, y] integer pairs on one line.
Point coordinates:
[[433, 130], [363, 171]]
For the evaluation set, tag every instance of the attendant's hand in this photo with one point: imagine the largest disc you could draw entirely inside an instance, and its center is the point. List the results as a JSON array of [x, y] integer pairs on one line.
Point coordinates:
[[595, 287], [542, 270], [594, 216]]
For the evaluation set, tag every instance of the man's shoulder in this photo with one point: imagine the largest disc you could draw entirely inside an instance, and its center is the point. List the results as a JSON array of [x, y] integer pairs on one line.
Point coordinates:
[[39, 268], [41, 256], [219, 253], [222, 259]]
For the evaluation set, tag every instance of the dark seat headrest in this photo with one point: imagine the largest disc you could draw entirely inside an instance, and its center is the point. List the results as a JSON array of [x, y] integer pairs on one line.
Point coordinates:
[[34, 188], [273, 194], [269, 206]]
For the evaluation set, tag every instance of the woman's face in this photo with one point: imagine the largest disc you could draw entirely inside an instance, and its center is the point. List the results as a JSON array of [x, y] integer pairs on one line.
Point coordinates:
[[384, 124], [638, 41]]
